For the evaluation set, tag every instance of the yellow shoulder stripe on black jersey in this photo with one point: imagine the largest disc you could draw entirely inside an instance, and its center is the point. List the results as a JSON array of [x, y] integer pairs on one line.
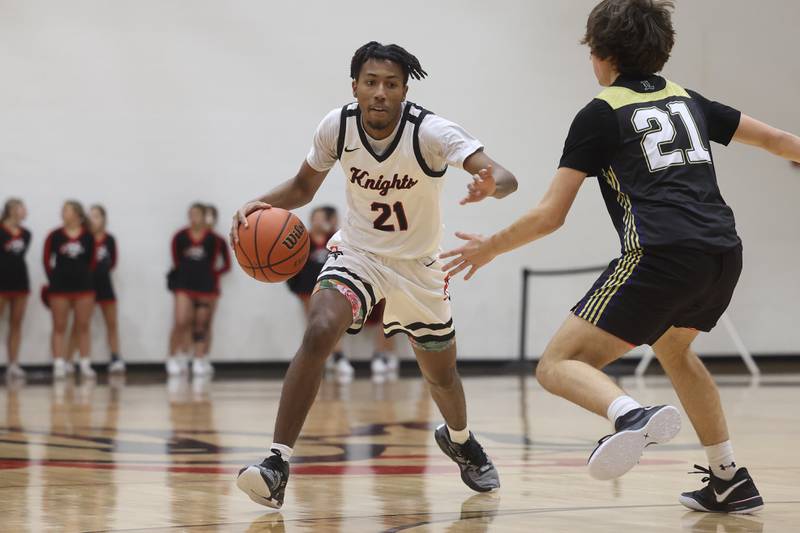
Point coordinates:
[[621, 96]]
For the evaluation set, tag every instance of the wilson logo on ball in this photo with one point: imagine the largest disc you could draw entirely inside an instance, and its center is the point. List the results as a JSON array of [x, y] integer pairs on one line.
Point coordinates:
[[294, 237]]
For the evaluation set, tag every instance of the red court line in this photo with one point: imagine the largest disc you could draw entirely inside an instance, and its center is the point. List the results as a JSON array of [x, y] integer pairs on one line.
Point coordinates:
[[305, 469]]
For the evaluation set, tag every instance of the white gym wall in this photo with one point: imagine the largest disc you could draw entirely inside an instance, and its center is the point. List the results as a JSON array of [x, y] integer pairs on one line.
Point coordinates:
[[149, 105]]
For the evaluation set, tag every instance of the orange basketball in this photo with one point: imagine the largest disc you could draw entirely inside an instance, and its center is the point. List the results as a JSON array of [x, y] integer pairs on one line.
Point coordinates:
[[274, 246]]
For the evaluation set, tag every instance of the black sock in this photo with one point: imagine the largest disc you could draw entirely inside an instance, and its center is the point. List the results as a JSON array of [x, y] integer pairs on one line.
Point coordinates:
[[114, 357], [379, 355], [337, 356]]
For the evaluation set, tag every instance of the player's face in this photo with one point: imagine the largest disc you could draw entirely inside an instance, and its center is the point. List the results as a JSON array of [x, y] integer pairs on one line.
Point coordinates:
[[20, 212], [97, 221], [196, 217], [318, 222], [321, 224], [69, 215], [604, 70], [211, 219], [380, 91]]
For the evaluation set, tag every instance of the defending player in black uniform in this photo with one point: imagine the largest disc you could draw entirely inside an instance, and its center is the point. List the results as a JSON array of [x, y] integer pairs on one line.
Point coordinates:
[[193, 279], [648, 141], [14, 283], [69, 259]]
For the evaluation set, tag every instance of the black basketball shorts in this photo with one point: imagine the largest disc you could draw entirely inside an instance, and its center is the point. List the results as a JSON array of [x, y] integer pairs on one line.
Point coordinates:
[[644, 293]]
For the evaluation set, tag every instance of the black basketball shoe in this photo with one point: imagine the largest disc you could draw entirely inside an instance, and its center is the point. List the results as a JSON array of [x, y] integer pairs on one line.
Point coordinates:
[[616, 454], [265, 483], [737, 496], [477, 470]]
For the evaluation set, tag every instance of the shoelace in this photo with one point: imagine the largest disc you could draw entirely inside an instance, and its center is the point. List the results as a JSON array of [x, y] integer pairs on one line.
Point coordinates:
[[699, 470], [275, 462], [474, 453]]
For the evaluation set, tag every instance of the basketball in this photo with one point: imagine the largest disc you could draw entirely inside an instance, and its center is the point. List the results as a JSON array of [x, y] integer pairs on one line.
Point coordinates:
[[274, 246]]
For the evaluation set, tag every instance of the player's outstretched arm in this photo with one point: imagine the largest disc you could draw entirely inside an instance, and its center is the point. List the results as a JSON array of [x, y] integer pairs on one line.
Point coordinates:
[[489, 178], [290, 194], [542, 220], [773, 140]]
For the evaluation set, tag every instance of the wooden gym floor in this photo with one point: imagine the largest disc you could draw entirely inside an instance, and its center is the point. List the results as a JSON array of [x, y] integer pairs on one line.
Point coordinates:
[[156, 457]]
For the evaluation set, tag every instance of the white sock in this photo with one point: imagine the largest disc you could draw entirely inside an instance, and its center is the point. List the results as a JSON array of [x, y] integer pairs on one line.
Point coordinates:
[[720, 457], [621, 406], [284, 451], [458, 436]]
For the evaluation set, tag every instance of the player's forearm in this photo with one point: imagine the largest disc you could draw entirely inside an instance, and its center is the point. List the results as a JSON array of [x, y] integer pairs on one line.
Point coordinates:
[[786, 146], [534, 225], [506, 184]]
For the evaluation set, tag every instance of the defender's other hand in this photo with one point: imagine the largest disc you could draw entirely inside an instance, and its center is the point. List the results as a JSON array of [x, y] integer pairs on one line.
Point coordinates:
[[473, 255], [483, 185]]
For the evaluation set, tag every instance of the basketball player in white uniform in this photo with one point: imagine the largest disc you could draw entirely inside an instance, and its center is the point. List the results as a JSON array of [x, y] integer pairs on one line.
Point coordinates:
[[394, 155]]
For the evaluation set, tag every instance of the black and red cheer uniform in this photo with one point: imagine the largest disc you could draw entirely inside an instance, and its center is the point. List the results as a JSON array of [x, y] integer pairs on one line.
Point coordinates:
[[14, 279]]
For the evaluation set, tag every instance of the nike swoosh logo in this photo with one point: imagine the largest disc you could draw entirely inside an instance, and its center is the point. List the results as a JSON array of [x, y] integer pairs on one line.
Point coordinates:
[[352, 149], [724, 496]]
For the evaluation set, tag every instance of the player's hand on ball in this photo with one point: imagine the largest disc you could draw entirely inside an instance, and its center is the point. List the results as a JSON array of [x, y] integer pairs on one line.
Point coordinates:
[[240, 217], [482, 186], [473, 255]]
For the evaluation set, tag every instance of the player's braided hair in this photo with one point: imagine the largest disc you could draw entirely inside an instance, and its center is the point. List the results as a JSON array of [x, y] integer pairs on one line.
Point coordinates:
[[390, 52], [637, 35]]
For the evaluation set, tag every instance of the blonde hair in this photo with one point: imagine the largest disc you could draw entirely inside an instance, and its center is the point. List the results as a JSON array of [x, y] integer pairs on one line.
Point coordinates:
[[9, 207]]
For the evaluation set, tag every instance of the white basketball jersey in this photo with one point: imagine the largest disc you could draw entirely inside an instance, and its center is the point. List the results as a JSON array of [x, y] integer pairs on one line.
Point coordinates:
[[392, 198]]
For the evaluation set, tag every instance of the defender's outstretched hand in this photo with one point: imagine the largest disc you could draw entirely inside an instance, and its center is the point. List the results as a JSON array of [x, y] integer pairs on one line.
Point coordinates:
[[483, 185], [240, 217], [473, 255]]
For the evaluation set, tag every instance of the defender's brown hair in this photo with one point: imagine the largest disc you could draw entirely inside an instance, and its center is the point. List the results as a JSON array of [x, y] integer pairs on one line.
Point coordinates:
[[636, 35]]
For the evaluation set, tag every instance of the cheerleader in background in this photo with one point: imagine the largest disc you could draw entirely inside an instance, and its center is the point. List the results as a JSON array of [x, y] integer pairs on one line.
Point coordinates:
[[69, 260], [14, 283], [105, 261], [193, 281], [323, 224], [222, 266]]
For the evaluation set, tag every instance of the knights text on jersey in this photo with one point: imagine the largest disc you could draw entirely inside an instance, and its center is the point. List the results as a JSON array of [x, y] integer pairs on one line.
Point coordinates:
[[393, 194]]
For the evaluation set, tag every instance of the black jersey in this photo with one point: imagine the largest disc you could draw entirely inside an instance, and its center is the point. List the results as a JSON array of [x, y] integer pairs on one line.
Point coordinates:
[[195, 262], [647, 140], [304, 281], [106, 260], [13, 269], [69, 262]]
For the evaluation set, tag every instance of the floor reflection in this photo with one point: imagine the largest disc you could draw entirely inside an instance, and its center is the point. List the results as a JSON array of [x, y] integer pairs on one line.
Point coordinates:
[[156, 457]]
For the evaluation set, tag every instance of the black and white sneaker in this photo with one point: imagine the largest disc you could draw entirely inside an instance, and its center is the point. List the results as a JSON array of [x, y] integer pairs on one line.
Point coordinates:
[[265, 483], [617, 453], [477, 470], [737, 496]]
